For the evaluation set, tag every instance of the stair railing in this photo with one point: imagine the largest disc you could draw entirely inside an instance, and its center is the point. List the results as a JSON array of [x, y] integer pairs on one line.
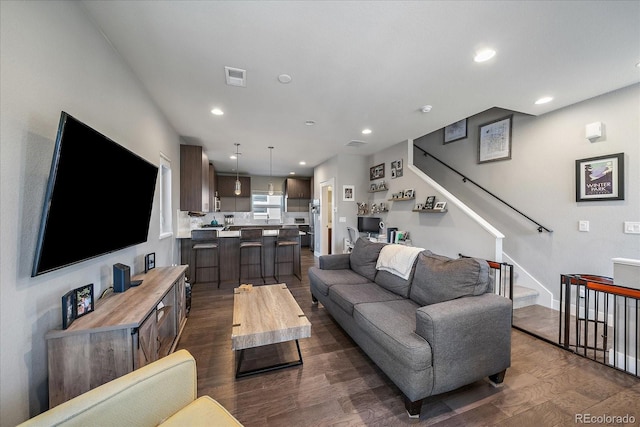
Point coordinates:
[[501, 273], [465, 179]]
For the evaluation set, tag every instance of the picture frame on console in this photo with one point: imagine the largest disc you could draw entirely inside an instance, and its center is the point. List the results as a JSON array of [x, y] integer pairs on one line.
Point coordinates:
[[83, 298], [68, 309], [149, 261], [600, 178]]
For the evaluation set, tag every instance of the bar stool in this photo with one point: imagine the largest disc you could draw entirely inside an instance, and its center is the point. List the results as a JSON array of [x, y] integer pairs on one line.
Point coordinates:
[[251, 238], [287, 237], [201, 240]]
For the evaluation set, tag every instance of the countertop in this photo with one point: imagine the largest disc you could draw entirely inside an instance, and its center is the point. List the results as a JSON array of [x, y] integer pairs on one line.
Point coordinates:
[[186, 234]]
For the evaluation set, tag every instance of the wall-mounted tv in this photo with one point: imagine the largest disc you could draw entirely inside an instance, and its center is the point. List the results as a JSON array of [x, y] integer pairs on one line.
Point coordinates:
[[368, 224], [98, 198]]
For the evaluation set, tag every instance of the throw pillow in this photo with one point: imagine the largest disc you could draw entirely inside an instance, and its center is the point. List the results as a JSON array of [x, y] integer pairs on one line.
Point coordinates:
[[438, 278], [364, 256]]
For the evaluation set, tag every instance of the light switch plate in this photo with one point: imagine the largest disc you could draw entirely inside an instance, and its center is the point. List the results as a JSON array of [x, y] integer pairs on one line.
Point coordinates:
[[632, 227], [583, 225]]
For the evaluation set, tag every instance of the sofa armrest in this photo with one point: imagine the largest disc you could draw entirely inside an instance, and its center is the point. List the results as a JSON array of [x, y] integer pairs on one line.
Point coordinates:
[[470, 338], [334, 262], [144, 397]]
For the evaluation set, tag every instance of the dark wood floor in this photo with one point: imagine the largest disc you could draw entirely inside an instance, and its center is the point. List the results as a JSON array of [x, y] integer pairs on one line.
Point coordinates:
[[339, 385]]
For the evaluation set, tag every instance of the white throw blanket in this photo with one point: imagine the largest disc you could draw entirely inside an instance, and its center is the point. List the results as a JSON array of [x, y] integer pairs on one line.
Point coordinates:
[[398, 259]]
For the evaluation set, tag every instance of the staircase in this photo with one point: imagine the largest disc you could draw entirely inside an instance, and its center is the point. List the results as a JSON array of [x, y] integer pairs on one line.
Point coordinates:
[[523, 296]]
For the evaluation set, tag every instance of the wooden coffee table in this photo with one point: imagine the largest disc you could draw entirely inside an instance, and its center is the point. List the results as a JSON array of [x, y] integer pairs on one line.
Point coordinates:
[[265, 315]]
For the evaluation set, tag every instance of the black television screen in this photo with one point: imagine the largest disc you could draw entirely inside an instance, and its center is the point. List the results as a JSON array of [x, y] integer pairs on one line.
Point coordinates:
[[98, 199], [368, 224]]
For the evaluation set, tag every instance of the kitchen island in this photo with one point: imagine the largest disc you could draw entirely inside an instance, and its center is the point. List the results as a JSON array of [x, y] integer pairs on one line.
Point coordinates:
[[229, 258]]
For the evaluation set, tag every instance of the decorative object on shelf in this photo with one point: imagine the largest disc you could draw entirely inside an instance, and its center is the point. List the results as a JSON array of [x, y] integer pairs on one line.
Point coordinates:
[[419, 206], [362, 208], [440, 206], [238, 186], [68, 309], [494, 140], [270, 186], [455, 131], [150, 261], [396, 169], [382, 185], [348, 193], [409, 194], [600, 178], [83, 297], [431, 200], [376, 172], [379, 208], [373, 187]]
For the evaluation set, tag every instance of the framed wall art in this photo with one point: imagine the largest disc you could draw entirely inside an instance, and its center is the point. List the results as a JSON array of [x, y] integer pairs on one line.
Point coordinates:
[[376, 172], [600, 178], [149, 261], [455, 131], [348, 193], [494, 140], [396, 169]]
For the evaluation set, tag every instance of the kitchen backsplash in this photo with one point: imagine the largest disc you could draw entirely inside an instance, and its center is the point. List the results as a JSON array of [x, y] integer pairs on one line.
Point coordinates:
[[240, 218]]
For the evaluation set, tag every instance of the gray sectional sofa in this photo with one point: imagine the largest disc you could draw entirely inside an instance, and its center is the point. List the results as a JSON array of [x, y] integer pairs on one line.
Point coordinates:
[[439, 329]]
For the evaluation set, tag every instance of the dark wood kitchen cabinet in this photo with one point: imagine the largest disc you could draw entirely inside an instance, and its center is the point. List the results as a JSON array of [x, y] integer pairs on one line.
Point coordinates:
[[229, 202], [194, 179], [296, 188]]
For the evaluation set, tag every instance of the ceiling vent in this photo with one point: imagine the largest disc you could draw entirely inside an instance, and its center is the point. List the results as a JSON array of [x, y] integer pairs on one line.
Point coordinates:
[[235, 76], [355, 143]]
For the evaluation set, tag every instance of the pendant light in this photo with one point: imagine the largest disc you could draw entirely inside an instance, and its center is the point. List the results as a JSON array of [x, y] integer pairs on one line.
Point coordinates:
[[270, 186], [238, 189]]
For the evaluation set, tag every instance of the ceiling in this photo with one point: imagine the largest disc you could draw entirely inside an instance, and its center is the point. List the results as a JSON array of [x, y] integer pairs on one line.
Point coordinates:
[[361, 64]]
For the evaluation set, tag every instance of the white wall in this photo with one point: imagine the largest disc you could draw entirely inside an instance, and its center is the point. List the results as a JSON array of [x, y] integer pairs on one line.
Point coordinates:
[[540, 181], [54, 59]]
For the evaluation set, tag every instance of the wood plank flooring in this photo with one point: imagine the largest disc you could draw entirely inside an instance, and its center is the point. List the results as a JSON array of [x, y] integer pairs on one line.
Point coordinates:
[[339, 385]]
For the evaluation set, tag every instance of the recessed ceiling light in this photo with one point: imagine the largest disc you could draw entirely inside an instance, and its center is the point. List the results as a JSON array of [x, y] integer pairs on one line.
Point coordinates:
[[366, 131], [484, 55], [638, 65], [544, 100], [233, 156], [426, 108], [309, 123], [284, 78], [303, 163], [217, 112], [292, 173]]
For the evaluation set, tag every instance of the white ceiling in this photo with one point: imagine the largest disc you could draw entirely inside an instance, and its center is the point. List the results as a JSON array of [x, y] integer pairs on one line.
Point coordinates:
[[361, 64]]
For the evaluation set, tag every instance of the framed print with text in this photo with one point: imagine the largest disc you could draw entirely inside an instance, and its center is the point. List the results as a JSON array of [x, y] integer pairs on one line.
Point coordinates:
[[600, 178], [494, 140], [376, 172], [455, 131]]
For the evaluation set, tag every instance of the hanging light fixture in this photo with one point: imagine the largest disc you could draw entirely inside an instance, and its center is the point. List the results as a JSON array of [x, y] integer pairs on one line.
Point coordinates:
[[270, 186], [238, 188]]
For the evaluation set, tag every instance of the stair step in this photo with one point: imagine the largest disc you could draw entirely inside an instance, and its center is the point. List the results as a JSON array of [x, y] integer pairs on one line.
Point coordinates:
[[523, 296]]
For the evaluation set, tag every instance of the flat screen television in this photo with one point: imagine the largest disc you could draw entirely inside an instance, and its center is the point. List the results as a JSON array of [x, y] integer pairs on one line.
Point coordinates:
[[98, 198], [368, 224]]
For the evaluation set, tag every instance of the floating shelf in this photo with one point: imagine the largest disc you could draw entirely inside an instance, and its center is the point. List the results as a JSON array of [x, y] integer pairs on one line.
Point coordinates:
[[400, 199], [379, 190], [430, 210]]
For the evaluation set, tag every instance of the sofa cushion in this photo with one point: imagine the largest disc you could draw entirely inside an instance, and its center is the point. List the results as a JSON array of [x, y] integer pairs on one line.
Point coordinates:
[[438, 278], [346, 296], [392, 325], [394, 283], [322, 280], [364, 257]]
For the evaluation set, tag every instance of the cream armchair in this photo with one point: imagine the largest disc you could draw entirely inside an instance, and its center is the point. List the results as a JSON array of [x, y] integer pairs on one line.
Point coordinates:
[[163, 392]]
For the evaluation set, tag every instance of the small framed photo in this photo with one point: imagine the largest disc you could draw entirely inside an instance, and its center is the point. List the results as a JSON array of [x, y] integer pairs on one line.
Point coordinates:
[[431, 200], [376, 172], [149, 261], [600, 178], [494, 141], [68, 309], [84, 300], [440, 206], [396, 169], [348, 193], [409, 194], [455, 131]]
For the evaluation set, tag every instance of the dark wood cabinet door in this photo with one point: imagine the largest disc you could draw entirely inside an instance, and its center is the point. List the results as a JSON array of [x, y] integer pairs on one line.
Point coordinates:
[[194, 179]]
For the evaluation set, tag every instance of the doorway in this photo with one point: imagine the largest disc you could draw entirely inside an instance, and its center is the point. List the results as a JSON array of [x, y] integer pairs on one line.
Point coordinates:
[[327, 203]]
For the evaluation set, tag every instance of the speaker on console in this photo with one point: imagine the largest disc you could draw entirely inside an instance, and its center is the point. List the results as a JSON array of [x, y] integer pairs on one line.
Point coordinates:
[[121, 277]]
